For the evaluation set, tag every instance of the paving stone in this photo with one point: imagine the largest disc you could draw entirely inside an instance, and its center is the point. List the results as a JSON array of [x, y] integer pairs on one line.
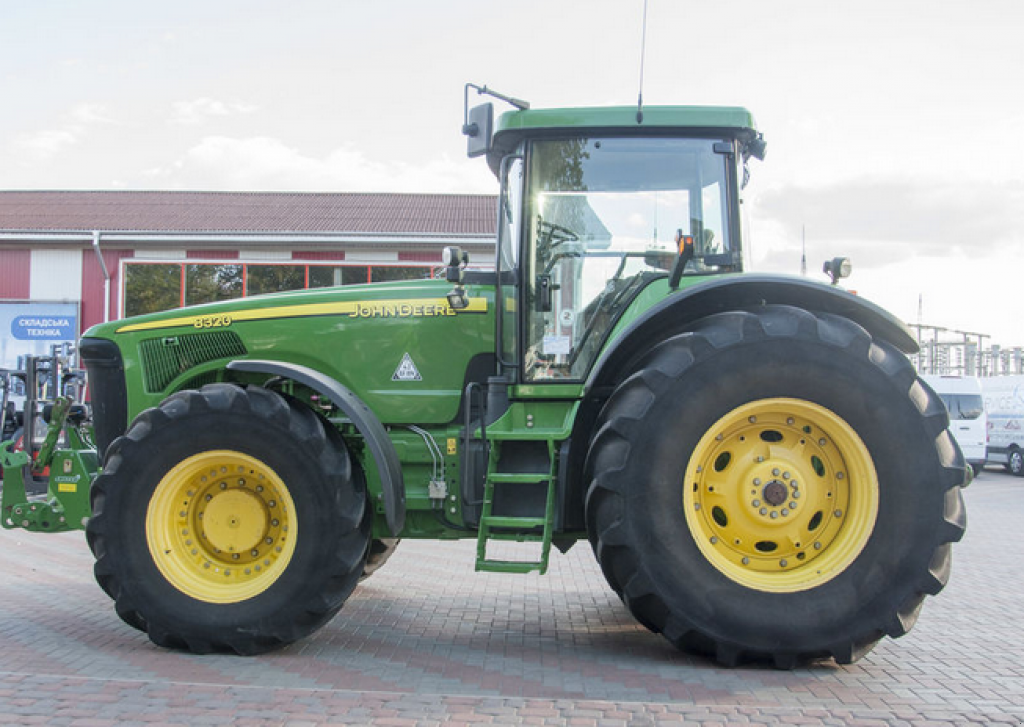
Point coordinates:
[[426, 641]]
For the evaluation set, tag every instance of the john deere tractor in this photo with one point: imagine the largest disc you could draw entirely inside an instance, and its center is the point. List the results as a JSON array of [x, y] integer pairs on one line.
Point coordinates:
[[757, 467]]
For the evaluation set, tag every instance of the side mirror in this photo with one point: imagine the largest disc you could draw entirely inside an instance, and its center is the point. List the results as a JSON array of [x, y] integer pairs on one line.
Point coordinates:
[[479, 127]]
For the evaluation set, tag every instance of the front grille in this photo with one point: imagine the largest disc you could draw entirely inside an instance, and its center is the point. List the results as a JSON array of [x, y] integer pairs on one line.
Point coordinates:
[[166, 358], [107, 391]]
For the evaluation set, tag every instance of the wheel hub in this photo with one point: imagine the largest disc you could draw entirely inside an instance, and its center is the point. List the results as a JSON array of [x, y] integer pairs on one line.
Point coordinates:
[[235, 521], [221, 526], [781, 494], [775, 493]]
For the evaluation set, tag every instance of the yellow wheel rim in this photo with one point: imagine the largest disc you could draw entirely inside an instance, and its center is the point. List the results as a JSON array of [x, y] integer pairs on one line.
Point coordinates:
[[221, 526], [781, 495]]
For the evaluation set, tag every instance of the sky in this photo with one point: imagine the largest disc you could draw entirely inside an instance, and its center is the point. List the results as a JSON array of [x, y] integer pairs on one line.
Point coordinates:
[[895, 128]]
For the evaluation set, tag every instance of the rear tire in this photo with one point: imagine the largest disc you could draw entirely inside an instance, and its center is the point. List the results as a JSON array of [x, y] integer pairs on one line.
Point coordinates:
[[774, 486], [1015, 463], [228, 519]]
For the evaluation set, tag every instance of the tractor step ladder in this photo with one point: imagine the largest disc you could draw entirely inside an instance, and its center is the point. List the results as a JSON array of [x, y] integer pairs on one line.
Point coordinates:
[[518, 529]]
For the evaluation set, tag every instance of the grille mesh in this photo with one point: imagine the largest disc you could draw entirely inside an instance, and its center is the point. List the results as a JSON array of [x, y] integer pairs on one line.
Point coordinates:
[[166, 358]]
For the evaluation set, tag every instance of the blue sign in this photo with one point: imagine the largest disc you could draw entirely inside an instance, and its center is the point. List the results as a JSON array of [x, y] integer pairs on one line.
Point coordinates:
[[30, 329], [43, 327]]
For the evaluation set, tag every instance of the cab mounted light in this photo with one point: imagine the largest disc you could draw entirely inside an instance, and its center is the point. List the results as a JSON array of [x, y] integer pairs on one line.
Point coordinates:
[[837, 268], [456, 260]]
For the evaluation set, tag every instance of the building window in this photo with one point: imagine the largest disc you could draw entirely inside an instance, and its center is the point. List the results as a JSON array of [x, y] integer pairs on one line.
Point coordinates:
[[385, 273], [262, 279], [207, 283], [151, 287]]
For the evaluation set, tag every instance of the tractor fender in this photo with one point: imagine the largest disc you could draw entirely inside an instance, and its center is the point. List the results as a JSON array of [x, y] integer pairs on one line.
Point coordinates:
[[368, 425], [680, 310]]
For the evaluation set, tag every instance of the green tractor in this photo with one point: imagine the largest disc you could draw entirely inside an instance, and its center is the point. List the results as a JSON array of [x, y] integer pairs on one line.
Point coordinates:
[[757, 467]]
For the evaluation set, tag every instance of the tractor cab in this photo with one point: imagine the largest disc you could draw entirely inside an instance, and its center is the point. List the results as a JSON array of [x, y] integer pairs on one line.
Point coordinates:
[[594, 208]]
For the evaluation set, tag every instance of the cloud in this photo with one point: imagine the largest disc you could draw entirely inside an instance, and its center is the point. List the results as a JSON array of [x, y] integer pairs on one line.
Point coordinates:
[[198, 111], [886, 221], [45, 144], [91, 113], [265, 163]]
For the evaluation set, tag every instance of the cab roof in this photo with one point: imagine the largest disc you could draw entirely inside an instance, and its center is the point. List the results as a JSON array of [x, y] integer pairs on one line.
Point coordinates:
[[513, 126]]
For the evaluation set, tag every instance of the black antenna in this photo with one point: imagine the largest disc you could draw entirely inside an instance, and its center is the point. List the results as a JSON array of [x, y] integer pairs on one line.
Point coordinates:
[[643, 49]]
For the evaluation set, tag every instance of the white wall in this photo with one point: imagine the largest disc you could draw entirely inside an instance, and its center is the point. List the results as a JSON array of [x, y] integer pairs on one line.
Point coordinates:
[[56, 275]]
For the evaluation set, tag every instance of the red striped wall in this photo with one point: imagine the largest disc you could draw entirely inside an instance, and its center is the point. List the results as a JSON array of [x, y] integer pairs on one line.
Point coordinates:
[[92, 284], [318, 255], [420, 257], [14, 274], [213, 254]]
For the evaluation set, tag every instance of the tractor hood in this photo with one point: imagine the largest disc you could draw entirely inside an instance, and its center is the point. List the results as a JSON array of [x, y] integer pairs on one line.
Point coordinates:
[[399, 346]]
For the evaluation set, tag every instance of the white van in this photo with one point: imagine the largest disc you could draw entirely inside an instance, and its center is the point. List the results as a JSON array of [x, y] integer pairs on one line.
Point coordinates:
[[968, 422], [1004, 402]]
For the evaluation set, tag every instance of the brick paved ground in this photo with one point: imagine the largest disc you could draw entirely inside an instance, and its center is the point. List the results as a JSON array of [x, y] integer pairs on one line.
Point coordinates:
[[426, 641]]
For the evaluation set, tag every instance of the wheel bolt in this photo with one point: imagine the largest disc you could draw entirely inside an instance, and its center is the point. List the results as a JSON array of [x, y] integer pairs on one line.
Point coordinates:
[[764, 511], [783, 562], [775, 471], [756, 503], [757, 481], [785, 513], [774, 514], [792, 506]]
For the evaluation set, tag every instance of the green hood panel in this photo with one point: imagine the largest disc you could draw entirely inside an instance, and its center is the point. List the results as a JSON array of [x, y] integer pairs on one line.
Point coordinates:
[[399, 346]]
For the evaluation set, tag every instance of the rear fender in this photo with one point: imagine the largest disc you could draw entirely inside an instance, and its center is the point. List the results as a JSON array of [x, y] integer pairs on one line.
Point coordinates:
[[681, 310], [677, 312], [368, 425]]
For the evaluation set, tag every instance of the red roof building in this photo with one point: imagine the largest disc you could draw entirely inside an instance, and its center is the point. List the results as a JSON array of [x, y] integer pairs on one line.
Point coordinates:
[[112, 254]]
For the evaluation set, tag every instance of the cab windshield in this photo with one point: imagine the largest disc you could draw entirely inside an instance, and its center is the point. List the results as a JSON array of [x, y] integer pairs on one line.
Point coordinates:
[[604, 217]]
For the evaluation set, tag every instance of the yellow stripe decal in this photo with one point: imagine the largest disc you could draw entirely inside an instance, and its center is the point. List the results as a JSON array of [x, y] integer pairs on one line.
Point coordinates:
[[420, 308]]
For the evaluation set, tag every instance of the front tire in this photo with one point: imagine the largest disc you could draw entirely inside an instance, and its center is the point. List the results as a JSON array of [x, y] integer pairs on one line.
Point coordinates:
[[774, 486], [228, 519]]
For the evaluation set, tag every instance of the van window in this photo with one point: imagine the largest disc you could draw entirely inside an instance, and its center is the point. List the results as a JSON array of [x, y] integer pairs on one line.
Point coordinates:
[[963, 407]]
